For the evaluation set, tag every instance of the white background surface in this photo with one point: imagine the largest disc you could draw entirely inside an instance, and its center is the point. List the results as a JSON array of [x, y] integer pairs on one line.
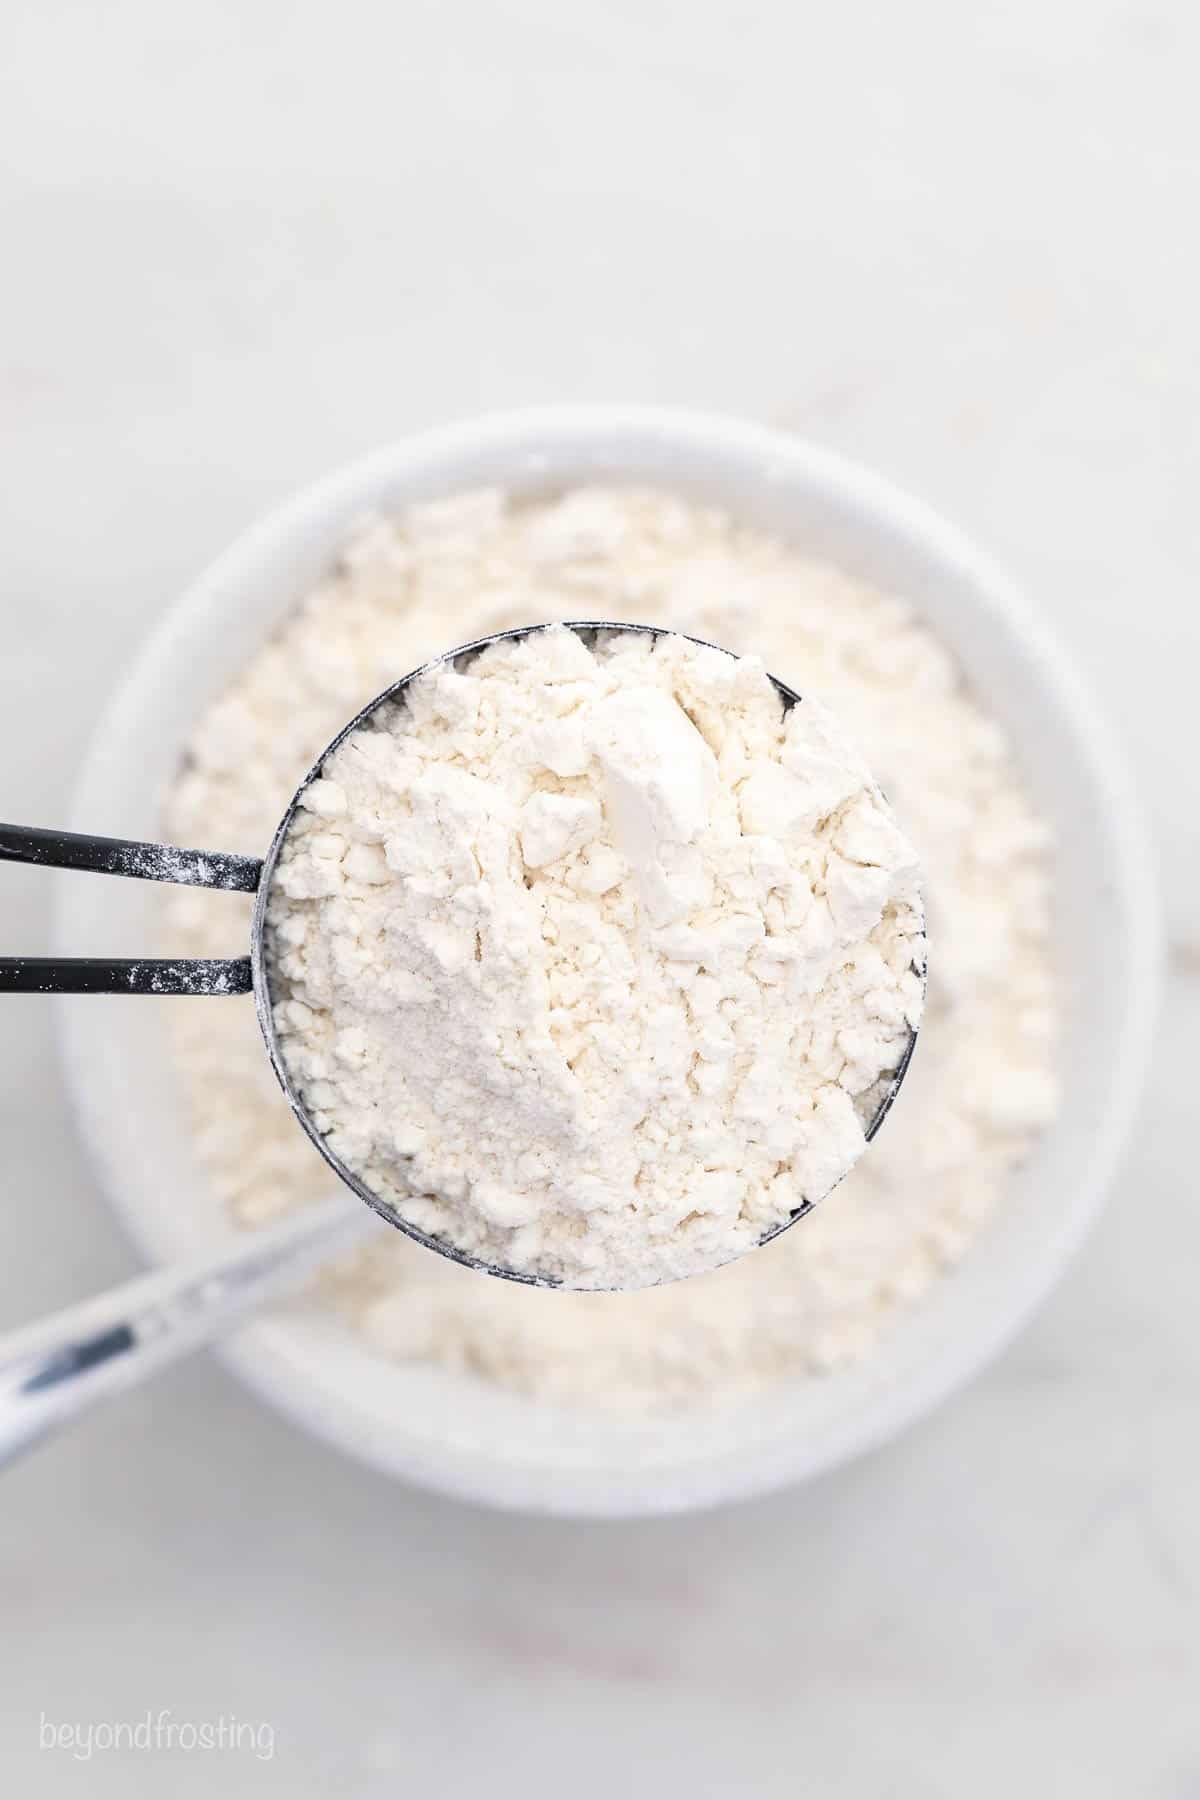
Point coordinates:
[[242, 242]]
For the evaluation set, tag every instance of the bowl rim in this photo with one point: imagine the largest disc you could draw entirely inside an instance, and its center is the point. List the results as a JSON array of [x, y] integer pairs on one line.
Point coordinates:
[[557, 431]]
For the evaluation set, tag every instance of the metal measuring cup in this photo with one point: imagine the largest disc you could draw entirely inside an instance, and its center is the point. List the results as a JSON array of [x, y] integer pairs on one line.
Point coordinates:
[[57, 1369], [252, 973]]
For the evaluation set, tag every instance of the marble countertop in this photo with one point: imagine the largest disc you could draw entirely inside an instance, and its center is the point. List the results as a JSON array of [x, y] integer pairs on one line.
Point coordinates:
[[246, 241]]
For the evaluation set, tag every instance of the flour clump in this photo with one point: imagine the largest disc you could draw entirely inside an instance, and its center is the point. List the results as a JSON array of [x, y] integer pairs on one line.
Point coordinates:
[[595, 959]]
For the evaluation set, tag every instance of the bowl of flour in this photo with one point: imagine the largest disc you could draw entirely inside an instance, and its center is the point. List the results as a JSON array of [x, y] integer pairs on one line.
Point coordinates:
[[935, 1248]]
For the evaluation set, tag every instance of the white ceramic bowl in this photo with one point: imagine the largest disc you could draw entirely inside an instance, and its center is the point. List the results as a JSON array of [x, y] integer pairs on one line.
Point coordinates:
[[449, 1432]]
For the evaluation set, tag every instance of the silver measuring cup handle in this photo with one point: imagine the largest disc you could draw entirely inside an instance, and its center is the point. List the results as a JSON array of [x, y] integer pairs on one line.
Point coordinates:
[[53, 1370]]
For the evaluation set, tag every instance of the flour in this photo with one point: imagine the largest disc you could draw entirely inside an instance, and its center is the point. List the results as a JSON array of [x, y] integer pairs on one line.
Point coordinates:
[[593, 961], [982, 1085]]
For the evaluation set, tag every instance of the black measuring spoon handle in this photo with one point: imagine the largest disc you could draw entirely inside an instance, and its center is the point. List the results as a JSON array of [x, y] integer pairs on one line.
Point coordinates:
[[123, 856], [143, 862], [125, 975]]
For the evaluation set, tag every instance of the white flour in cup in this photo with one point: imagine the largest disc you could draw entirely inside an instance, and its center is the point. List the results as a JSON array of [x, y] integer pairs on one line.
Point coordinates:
[[594, 961], [983, 1083]]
